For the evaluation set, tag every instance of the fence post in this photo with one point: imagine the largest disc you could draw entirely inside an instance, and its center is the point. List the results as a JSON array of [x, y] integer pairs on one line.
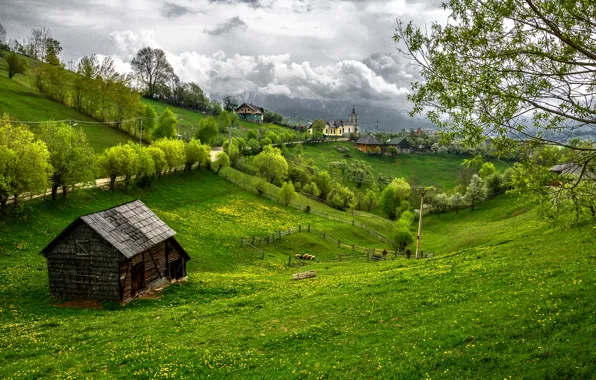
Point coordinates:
[[299, 228], [289, 259], [309, 228], [263, 255], [290, 230], [352, 247], [241, 242], [352, 221], [253, 240], [323, 234], [338, 243], [280, 234]]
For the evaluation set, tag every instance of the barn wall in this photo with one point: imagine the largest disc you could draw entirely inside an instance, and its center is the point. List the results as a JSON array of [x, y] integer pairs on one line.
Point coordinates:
[[155, 270], [79, 275]]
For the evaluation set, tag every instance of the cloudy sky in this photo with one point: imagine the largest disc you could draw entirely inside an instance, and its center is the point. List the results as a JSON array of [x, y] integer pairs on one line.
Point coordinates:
[[317, 49]]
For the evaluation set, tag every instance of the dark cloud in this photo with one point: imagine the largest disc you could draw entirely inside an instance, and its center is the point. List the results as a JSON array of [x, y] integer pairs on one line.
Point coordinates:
[[171, 10], [227, 26]]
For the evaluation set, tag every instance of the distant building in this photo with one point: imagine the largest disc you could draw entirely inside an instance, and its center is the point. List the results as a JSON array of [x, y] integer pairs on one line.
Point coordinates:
[[338, 128], [114, 255], [571, 168], [368, 142], [401, 143], [250, 112]]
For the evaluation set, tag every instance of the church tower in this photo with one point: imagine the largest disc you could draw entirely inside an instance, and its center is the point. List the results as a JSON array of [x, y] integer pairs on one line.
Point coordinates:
[[354, 119]]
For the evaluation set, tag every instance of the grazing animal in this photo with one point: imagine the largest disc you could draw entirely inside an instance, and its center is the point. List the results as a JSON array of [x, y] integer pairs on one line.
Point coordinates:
[[298, 256]]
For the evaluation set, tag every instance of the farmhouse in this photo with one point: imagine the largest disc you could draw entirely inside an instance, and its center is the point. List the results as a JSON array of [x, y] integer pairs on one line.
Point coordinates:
[[401, 143], [339, 128], [114, 255], [368, 142], [250, 112]]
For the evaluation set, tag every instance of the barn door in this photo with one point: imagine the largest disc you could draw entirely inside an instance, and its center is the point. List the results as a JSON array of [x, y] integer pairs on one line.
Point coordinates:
[[176, 269], [137, 277]]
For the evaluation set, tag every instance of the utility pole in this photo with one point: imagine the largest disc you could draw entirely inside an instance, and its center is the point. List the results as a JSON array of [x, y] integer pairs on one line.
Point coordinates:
[[377, 125], [141, 135], [423, 191]]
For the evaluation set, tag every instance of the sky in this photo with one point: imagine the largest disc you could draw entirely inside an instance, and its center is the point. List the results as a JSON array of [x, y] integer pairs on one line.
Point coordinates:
[[315, 49]]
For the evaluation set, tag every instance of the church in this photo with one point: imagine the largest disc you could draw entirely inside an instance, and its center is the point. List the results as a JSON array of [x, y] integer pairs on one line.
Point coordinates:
[[338, 128]]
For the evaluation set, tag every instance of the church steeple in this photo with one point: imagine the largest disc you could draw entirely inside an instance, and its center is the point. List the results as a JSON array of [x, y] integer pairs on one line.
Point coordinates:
[[354, 119]]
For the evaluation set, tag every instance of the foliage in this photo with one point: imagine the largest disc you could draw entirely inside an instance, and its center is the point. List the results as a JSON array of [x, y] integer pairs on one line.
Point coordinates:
[[393, 195], [174, 150], [233, 153], [456, 201], [149, 118], [324, 183], [159, 159], [230, 103], [223, 121], [273, 117], [318, 126], [71, 157], [271, 165], [166, 128], [476, 191], [393, 152], [146, 167], [196, 153], [287, 193], [487, 169], [360, 172], [222, 160], [341, 198], [119, 160], [402, 234], [311, 189], [207, 130], [24, 163], [260, 186], [152, 69], [15, 65]]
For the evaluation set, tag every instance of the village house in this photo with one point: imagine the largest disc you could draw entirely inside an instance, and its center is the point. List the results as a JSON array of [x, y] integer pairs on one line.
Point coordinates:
[[368, 142], [250, 112], [114, 255], [401, 143], [338, 128]]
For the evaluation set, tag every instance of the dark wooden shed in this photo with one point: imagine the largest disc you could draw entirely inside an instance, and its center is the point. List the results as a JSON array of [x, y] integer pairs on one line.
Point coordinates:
[[114, 255]]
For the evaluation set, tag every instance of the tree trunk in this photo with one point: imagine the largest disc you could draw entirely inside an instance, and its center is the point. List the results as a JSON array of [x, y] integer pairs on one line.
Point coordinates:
[[15, 200], [64, 191], [217, 172], [3, 202], [54, 192], [112, 182]]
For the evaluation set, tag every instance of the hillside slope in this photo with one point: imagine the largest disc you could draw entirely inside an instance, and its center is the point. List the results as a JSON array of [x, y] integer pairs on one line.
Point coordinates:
[[516, 300], [23, 103]]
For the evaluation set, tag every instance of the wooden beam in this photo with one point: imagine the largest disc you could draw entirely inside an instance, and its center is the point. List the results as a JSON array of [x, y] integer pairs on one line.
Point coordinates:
[[155, 264]]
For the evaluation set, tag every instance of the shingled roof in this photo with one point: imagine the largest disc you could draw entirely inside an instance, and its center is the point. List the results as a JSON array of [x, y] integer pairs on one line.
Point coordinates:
[[368, 140], [131, 228], [252, 106]]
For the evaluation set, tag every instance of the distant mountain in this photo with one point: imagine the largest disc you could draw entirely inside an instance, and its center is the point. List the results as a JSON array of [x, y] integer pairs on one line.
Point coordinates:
[[303, 110]]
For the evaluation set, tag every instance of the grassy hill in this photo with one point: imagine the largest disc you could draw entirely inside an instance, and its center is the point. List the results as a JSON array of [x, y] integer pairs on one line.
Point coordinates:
[[22, 102], [440, 170], [503, 297]]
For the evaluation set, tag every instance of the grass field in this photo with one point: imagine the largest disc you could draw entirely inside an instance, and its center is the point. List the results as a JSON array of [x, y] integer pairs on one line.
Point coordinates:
[[24, 103], [424, 169], [504, 297]]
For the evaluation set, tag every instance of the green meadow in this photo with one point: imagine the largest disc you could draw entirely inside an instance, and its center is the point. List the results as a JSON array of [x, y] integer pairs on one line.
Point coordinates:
[[504, 297]]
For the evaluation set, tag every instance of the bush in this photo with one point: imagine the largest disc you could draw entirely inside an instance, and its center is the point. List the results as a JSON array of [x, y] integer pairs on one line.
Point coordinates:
[[287, 193]]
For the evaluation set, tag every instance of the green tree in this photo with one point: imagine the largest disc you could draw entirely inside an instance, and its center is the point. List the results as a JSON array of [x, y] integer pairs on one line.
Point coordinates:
[[230, 103], [159, 159], [371, 200], [152, 69], [393, 195], [494, 64], [174, 150], [360, 172], [271, 165], [194, 154], [234, 154], [324, 183], [117, 161], [222, 160], [24, 162], [402, 233], [311, 189], [15, 65], [265, 141], [341, 198], [71, 157], [146, 166], [476, 191], [166, 128], [207, 131], [223, 121], [149, 119], [456, 201], [287, 193], [487, 169], [318, 126]]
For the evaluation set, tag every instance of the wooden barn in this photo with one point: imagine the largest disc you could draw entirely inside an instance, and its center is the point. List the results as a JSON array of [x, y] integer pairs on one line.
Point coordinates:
[[368, 142], [114, 255]]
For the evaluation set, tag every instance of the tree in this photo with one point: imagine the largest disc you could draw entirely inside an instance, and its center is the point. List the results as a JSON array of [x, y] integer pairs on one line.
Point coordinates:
[[486, 170], [234, 154], [159, 159], [393, 152], [260, 186], [15, 65], [149, 119], [402, 233], [272, 117], [222, 160], [166, 127], [119, 160], [71, 156], [265, 141], [207, 130], [38, 41], [287, 193], [476, 191], [152, 69], [324, 183], [360, 172], [456, 201], [146, 166], [3, 41], [52, 50], [370, 200], [271, 165], [341, 198], [230, 103], [393, 195], [517, 69], [438, 202], [223, 121], [194, 154], [24, 162], [174, 151], [311, 189], [318, 126]]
